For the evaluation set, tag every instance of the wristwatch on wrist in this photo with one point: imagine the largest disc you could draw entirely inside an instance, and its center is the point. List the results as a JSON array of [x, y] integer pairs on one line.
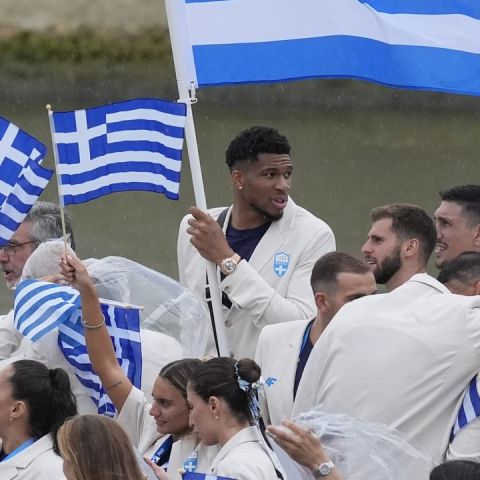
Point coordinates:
[[228, 265], [323, 469]]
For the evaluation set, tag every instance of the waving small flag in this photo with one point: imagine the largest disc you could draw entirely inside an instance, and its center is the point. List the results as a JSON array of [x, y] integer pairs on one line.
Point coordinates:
[[40, 307], [22, 178], [123, 325], [132, 145]]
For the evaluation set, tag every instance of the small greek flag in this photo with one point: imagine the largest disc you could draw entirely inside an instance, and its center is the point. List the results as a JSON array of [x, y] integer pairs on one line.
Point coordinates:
[[123, 325], [40, 307], [203, 476], [132, 145], [470, 408], [22, 178]]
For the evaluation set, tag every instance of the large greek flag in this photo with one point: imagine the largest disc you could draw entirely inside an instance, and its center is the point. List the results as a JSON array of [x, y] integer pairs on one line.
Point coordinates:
[[22, 178], [429, 44], [132, 145], [123, 325], [40, 307]]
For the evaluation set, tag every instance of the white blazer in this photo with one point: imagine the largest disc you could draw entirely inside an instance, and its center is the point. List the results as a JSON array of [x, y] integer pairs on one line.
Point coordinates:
[[36, 462], [273, 286], [246, 457], [277, 355], [403, 359]]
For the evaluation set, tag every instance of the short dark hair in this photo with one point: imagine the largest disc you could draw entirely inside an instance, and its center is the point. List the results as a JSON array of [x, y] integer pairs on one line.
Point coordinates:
[[456, 470], [468, 196], [46, 221], [409, 221], [326, 270], [48, 395], [246, 146], [217, 377], [465, 269]]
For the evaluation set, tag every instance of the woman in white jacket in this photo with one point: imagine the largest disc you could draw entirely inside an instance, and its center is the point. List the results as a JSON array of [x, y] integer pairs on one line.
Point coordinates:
[[34, 403]]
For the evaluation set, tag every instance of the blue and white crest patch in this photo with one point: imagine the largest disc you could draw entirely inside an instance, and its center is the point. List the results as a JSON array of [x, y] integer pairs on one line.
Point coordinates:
[[280, 263]]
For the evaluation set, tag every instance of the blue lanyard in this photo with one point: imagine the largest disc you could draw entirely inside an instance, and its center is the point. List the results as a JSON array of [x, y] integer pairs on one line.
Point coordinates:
[[20, 448], [163, 451], [306, 334]]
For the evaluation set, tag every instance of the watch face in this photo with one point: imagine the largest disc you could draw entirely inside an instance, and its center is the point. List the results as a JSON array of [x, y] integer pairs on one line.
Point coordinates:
[[324, 468], [229, 266]]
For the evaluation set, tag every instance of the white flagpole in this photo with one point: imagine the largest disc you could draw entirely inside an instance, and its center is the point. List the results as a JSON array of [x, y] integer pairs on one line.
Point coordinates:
[[57, 174], [186, 92]]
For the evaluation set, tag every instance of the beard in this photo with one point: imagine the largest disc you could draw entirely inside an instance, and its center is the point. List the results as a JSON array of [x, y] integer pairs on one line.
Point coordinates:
[[268, 216], [388, 267]]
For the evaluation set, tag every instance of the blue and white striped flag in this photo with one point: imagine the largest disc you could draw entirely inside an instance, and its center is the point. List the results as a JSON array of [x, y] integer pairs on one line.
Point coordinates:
[[123, 325], [429, 44], [470, 407], [40, 307], [22, 178], [203, 476], [132, 145]]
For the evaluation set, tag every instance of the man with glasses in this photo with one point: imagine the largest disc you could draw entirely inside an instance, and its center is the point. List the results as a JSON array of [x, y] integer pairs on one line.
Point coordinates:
[[42, 223]]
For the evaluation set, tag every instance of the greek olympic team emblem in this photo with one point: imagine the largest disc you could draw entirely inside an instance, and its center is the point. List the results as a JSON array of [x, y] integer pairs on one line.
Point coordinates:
[[280, 263]]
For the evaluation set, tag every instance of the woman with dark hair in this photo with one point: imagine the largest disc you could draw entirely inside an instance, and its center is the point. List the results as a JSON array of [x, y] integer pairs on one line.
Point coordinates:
[[107, 455], [223, 411], [160, 431], [34, 403], [456, 470]]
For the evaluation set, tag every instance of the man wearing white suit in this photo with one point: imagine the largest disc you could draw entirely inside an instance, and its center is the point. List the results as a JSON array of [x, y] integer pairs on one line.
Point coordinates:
[[402, 358], [283, 349], [265, 248]]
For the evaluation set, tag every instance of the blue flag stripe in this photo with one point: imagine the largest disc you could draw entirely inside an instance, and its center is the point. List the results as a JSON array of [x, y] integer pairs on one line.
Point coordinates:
[[340, 56], [469, 409], [427, 7]]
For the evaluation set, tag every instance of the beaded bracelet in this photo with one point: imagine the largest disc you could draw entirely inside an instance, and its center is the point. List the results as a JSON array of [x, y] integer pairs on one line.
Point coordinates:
[[93, 327]]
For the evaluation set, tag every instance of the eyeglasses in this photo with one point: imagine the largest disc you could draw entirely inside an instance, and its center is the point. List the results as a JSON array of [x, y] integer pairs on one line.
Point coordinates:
[[10, 249]]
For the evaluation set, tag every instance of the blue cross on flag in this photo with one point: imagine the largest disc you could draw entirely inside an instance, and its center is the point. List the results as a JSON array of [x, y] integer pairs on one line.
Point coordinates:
[[22, 178], [132, 145]]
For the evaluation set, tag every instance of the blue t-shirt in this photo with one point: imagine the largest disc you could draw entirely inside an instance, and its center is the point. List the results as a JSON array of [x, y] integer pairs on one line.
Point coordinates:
[[244, 242]]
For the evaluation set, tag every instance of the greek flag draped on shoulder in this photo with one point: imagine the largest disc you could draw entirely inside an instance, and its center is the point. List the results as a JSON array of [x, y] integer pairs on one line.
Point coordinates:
[[22, 178], [132, 145], [123, 324], [469, 409], [203, 476], [40, 307], [430, 44]]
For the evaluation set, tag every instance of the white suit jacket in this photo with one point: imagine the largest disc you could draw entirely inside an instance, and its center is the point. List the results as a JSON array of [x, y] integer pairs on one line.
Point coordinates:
[[273, 286], [277, 355], [403, 359], [37, 462], [246, 457]]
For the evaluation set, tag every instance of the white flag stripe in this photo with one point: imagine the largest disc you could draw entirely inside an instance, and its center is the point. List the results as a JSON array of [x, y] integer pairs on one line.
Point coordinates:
[[146, 114], [234, 23], [24, 197], [53, 317], [468, 407], [12, 212], [145, 135], [114, 178], [5, 232], [119, 157], [40, 294], [6, 146], [33, 178], [5, 188], [72, 137]]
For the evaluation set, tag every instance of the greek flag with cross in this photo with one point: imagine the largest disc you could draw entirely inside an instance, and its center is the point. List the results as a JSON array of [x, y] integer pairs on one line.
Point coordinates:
[[22, 178], [132, 145]]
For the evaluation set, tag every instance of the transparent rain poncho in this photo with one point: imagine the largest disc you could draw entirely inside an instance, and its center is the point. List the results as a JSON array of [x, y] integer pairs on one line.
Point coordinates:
[[168, 307], [361, 450]]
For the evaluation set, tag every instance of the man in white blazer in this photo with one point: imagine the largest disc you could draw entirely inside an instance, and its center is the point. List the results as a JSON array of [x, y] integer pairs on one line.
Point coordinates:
[[402, 358], [283, 349], [266, 247]]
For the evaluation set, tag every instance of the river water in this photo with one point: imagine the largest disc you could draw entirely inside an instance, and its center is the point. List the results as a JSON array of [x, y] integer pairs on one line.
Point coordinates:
[[347, 159]]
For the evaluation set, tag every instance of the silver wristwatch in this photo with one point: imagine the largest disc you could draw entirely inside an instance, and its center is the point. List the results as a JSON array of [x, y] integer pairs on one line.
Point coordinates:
[[323, 469], [228, 265]]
